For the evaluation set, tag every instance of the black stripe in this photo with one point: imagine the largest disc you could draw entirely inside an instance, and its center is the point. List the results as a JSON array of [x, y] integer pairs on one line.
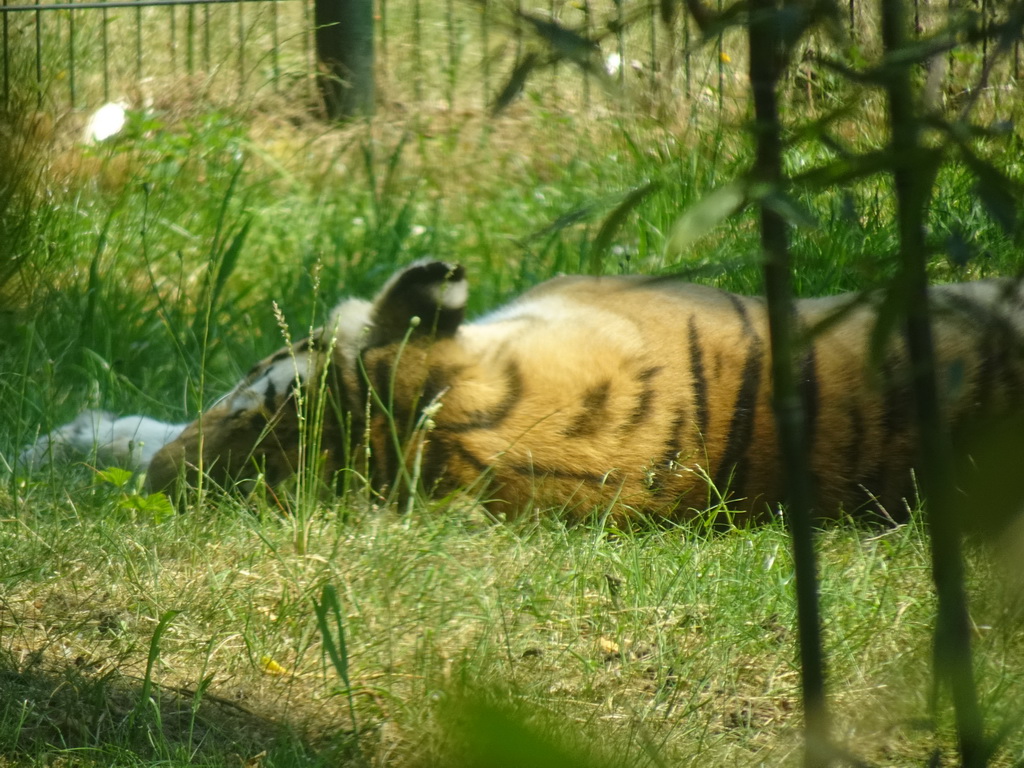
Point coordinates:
[[734, 459], [490, 418], [279, 356], [458, 449], [699, 381], [898, 399], [741, 310], [362, 376], [593, 412], [992, 357], [670, 455], [380, 378], [382, 423], [435, 461], [809, 390], [642, 410], [343, 424], [852, 454], [270, 395], [1000, 350], [439, 378], [534, 470]]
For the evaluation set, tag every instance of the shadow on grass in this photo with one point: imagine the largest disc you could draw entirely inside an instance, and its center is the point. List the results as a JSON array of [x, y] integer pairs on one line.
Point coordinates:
[[93, 715]]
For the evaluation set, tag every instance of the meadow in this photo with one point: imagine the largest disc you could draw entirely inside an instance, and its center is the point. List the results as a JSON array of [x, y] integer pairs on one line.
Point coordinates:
[[140, 275]]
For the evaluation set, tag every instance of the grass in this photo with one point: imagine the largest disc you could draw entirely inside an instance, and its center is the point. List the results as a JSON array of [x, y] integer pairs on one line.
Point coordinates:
[[657, 647], [138, 275]]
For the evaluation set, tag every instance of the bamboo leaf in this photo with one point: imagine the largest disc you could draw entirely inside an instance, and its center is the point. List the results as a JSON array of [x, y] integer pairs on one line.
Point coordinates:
[[789, 209], [614, 221], [565, 42], [705, 215], [669, 9], [845, 170], [516, 83], [958, 250], [712, 23], [998, 193]]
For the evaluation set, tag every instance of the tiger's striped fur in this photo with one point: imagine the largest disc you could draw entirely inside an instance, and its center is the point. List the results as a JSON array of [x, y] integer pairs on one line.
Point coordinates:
[[647, 393]]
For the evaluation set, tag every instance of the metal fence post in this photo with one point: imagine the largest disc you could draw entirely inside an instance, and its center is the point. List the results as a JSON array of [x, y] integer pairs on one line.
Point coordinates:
[[344, 45]]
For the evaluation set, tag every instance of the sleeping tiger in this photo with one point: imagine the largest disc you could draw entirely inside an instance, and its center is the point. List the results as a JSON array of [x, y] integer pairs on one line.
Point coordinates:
[[643, 394], [640, 395]]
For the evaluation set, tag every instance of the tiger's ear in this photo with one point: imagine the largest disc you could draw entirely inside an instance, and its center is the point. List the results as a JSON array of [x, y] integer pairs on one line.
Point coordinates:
[[433, 291]]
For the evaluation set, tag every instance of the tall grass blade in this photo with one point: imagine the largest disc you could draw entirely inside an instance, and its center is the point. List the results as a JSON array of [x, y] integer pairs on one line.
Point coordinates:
[[227, 262], [154, 654], [328, 610]]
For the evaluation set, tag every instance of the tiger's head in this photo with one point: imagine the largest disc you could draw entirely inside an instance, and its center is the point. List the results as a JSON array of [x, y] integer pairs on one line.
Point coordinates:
[[308, 404]]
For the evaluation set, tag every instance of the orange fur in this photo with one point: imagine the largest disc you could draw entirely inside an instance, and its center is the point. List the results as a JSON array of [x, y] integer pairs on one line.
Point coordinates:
[[590, 392]]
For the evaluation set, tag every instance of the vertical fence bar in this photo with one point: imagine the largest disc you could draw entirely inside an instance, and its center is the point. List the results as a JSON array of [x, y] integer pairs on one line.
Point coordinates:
[[138, 44], [174, 39], [451, 75], [39, 56], [7, 63], [383, 58], [620, 42], [686, 54], [553, 81], [206, 38], [518, 33], [307, 43], [104, 21], [485, 44], [984, 35], [71, 57], [654, 46], [241, 48], [417, 40], [586, 33], [721, 68], [190, 33], [275, 55]]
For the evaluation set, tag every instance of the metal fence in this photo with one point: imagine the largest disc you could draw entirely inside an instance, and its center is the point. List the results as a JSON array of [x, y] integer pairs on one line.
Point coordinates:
[[83, 53], [450, 53]]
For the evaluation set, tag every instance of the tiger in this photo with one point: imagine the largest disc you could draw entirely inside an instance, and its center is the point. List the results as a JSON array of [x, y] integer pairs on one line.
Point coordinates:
[[642, 396]]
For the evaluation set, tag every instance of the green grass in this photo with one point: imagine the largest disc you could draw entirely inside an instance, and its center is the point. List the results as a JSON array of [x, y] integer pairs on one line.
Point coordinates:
[[658, 647], [139, 277]]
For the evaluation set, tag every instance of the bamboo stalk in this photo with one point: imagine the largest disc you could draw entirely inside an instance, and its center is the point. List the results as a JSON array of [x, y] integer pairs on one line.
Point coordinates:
[[766, 57], [952, 652]]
